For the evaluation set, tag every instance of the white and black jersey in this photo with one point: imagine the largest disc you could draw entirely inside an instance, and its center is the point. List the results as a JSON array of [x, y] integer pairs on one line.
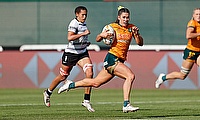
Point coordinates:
[[79, 45]]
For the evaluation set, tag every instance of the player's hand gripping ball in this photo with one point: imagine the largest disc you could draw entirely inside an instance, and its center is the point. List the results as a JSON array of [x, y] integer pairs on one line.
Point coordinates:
[[110, 38]]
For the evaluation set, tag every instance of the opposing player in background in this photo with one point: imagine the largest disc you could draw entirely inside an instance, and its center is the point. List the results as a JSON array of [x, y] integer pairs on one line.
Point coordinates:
[[115, 58], [191, 52], [75, 53]]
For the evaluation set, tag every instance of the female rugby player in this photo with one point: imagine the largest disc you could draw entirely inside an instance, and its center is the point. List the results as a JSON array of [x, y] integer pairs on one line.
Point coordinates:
[[75, 53], [115, 58], [191, 52]]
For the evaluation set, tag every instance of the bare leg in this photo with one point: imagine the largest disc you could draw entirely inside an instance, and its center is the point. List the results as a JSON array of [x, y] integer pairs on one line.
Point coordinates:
[[101, 78], [180, 75], [86, 65], [123, 71], [60, 78]]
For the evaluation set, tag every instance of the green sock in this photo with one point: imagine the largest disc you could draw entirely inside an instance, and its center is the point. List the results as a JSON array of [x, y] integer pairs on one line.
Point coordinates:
[[126, 102], [72, 85], [164, 78]]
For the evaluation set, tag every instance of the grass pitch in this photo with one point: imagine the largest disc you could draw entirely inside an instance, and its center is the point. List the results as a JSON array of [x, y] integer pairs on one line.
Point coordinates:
[[27, 104]]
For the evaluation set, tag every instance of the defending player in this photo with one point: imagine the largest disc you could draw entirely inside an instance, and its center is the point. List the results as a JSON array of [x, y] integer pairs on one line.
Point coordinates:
[[75, 53]]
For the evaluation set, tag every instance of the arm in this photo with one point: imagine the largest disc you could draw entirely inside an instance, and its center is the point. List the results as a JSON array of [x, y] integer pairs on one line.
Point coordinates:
[[102, 35], [138, 38], [190, 33], [99, 38], [72, 36]]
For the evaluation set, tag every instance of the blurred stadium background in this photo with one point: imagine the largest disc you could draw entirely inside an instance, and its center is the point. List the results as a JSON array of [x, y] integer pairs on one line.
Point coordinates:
[[44, 22], [162, 24]]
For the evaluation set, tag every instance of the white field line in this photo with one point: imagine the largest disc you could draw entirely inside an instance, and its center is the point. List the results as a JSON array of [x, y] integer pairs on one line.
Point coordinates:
[[103, 103]]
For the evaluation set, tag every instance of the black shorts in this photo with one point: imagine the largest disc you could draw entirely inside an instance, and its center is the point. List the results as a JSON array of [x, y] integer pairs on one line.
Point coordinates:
[[70, 59]]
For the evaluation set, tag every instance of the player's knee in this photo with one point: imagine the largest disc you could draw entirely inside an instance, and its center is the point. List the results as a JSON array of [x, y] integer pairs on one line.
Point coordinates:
[[63, 78], [131, 77], [96, 85], [183, 76], [87, 67], [63, 74], [88, 70], [184, 73], [89, 73]]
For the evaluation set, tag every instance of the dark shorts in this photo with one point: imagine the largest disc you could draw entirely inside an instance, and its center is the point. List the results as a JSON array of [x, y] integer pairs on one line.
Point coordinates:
[[190, 55], [111, 60], [70, 59]]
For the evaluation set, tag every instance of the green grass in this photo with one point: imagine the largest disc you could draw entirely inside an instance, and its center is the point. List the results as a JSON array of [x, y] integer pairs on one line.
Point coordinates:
[[27, 104]]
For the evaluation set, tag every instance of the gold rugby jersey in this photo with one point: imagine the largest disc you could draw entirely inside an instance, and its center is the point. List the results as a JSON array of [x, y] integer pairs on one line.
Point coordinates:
[[123, 37], [194, 43]]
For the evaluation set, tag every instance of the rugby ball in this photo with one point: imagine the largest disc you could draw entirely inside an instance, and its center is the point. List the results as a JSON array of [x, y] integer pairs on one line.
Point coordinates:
[[109, 40]]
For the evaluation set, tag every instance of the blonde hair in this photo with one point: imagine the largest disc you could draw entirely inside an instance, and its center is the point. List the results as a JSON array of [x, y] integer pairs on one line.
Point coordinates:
[[194, 11]]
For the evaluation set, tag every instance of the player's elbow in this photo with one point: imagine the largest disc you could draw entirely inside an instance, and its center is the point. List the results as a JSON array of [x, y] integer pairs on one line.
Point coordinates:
[[69, 38], [187, 37], [98, 38], [140, 42]]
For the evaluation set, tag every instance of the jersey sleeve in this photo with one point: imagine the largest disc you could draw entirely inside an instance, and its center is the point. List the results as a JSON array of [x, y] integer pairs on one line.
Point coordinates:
[[191, 23], [73, 26]]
